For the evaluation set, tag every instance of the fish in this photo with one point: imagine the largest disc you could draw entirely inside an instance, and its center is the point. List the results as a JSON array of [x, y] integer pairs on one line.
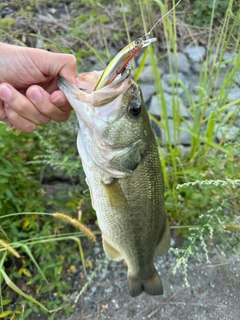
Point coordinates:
[[120, 159]]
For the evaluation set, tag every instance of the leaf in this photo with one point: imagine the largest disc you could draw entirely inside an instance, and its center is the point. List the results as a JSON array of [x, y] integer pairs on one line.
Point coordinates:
[[28, 251], [26, 223], [6, 302], [5, 313], [21, 293], [25, 271]]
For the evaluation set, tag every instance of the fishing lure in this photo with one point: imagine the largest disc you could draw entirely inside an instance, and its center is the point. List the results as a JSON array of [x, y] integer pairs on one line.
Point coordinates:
[[121, 60], [119, 64]]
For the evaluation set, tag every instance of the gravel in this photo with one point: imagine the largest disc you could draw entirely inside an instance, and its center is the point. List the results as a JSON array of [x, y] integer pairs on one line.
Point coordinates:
[[214, 293]]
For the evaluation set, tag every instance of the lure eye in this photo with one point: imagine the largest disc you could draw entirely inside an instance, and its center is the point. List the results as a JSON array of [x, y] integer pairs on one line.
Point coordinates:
[[138, 42], [134, 109]]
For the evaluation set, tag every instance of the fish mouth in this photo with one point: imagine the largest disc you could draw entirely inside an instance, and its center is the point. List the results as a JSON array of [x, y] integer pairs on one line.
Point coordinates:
[[85, 81], [66, 86], [85, 93]]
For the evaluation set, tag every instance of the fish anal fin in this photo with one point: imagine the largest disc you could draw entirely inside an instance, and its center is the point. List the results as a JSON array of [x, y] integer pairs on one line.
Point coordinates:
[[164, 243], [111, 252]]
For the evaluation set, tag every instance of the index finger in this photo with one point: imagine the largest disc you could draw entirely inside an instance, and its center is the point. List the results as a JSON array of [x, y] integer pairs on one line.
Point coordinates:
[[62, 64]]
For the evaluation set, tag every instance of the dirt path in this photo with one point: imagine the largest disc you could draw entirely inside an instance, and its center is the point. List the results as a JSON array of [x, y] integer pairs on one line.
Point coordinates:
[[214, 293]]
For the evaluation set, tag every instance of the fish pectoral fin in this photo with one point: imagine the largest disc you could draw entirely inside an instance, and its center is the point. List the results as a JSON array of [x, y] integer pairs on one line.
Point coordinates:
[[164, 243], [115, 194], [111, 253], [91, 194]]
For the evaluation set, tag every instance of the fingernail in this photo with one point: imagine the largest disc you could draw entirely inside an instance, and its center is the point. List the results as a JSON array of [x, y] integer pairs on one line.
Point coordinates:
[[5, 92], [35, 95]]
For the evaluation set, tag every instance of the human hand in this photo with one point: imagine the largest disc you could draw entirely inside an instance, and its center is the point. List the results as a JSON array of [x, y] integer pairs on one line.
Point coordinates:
[[29, 95]]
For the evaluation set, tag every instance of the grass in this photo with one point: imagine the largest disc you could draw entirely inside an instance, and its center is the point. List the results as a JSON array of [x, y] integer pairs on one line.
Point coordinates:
[[202, 185], [209, 172]]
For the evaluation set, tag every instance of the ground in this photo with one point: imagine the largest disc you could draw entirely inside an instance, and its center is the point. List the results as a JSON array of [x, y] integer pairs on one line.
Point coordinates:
[[214, 293]]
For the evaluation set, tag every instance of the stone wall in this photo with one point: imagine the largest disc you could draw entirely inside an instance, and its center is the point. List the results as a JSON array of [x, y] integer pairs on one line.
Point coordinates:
[[183, 82]]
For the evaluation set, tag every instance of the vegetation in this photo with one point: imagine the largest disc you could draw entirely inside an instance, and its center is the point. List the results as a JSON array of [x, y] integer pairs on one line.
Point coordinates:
[[202, 185]]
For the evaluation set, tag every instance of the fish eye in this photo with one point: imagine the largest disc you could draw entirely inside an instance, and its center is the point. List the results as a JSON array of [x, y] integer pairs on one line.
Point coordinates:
[[138, 42], [134, 109]]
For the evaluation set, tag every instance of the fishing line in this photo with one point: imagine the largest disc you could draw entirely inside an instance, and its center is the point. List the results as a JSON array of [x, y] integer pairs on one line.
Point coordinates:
[[160, 19]]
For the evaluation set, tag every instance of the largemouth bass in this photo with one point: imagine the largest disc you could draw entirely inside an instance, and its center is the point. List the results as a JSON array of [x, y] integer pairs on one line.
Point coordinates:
[[123, 171]]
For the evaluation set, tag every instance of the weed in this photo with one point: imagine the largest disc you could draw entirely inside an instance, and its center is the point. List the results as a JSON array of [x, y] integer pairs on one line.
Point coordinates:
[[202, 184], [7, 23]]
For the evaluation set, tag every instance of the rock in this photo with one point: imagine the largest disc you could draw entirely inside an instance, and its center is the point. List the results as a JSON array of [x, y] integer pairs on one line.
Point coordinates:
[[197, 67], [211, 108], [234, 109], [183, 138], [147, 90], [155, 106], [220, 80], [235, 112], [147, 61], [231, 57], [237, 122], [234, 94], [226, 133], [104, 273], [195, 54], [156, 128], [179, 62], [228, 56], [169, 89], [214, 62], [185, 150], [113, 52], [237, 79], [173, 83], [212, 59], [115, 303], [147, 75], [6, 10]]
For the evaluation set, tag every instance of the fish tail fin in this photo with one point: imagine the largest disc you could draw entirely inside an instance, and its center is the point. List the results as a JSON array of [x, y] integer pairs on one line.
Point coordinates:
[[151, 285]]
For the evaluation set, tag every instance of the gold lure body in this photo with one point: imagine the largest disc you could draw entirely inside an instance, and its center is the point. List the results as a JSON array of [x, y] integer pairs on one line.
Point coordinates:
[[120, 61]]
